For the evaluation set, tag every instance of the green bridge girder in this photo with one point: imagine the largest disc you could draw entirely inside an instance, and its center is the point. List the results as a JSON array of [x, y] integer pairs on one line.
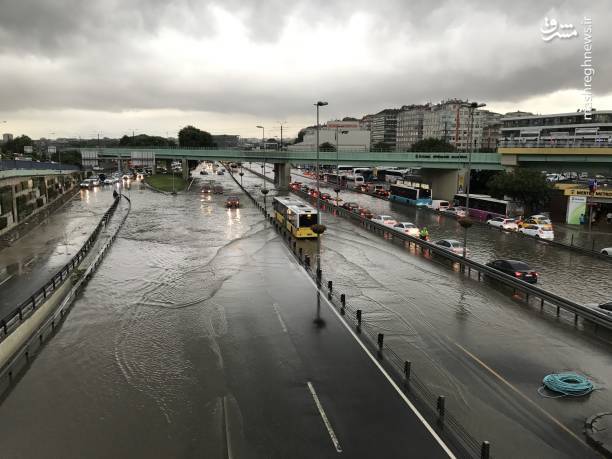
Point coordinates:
[[442, 160]]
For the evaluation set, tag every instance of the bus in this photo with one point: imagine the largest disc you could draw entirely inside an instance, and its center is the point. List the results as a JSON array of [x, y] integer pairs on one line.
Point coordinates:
[[412, 190], [296, 216], [484, 207], [332, 177], [365, 172], [391, 175]]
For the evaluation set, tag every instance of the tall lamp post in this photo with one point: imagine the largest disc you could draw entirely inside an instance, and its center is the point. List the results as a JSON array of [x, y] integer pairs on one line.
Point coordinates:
[[319, 229], [465, 221]]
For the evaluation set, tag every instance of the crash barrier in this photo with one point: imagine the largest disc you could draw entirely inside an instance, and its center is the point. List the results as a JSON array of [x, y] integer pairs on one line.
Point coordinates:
[[430, 404], [18, 362], [19, 314]]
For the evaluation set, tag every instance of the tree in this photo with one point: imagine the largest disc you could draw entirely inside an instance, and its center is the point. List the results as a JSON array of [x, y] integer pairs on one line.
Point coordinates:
[[432, 145], [479, 180], [524, 185], [190, 136], [326, 146], [349, 118], [15, 146], [67, 157], [143, 140], [382, 146]]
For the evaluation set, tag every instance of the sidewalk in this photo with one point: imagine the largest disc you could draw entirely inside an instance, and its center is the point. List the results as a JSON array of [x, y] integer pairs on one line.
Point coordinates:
[[31, 261], [599, 237]]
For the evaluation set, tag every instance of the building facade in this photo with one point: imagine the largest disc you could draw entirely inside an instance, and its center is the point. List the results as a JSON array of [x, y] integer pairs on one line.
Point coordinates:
[[384, 128], [344, 135], [410, 125], [7, 138], [557, 130]]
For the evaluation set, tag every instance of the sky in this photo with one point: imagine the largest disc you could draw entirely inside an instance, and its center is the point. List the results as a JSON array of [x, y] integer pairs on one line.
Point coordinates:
[[73, 68]]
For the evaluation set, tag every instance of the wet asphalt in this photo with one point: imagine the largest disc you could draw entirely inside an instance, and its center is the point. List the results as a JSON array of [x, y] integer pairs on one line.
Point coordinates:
[[200, 336]]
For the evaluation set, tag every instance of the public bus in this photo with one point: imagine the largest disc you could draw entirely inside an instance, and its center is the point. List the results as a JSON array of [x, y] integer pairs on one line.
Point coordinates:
[[296, 216], [483, 207], [412, 190], [391, 175], [333, 178], [353, 181]]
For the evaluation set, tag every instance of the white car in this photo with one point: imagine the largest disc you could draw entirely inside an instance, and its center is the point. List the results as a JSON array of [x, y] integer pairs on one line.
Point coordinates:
[[407, 228], [95, 181], [458, 211], [538, 231], [387, 220], [508, 224], [451, 245], [606, 251], [126, 177], [87, 183]]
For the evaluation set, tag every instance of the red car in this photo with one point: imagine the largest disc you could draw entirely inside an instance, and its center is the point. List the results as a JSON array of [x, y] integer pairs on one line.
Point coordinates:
[[326, 196], [382, 193], [365, 213]]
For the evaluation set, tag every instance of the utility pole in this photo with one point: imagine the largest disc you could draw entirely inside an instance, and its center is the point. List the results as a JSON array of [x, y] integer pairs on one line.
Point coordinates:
[[281, 145]]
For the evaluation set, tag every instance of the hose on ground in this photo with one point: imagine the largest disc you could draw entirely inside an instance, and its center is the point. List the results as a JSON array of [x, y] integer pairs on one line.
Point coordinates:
[[572, 384]]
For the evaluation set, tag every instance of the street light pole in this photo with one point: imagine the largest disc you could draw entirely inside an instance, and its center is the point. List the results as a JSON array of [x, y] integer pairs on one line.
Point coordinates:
[[318, 105], [473, 106]]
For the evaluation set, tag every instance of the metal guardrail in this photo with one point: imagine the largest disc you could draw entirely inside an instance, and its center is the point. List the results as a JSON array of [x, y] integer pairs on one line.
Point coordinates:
[[430, 404], [35, 165], [17, 316], [599, 318]]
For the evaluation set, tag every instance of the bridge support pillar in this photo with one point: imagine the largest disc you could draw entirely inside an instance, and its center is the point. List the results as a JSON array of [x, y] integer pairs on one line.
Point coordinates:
[[282, 175], [445, 183], [185, 168], [169, 166]]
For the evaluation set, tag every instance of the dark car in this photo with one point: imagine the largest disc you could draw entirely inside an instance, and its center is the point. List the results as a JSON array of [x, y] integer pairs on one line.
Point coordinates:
[[218, 189], [515, 268], [206, 189], [220, 172], [232, 201], [203, 172], [352, 206], [325, 196], [305, 188]]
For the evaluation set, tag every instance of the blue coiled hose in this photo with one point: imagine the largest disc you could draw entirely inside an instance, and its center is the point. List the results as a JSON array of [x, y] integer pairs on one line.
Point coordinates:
[[568, 384]]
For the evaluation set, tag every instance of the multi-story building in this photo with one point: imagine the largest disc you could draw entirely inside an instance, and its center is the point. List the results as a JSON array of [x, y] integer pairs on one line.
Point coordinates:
[[345, 135], [410, 125], [450, 120], [7, 138], [384, 127], [557, 130]]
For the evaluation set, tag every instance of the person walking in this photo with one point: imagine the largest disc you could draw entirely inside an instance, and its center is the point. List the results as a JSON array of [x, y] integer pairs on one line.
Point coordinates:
[[609, 217]]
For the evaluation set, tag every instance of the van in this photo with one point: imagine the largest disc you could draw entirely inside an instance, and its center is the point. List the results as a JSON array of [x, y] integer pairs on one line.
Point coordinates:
[[439, 204]]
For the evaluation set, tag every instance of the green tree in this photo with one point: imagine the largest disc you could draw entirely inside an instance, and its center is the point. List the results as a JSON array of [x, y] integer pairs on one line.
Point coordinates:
[[15, 146], [432, 145], [67, 157], [479, 180], [190, 136], [524, 185], [326, 146], [143, 140], [382, 146]]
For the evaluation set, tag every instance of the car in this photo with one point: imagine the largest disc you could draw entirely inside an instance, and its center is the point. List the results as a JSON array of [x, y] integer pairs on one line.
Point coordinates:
[[313, 193], [601, 307], [408, 228], [295, 185], [508, 224], [382, 193], [217, 189], [365, 213], [126, 177], [87, 183], [220, 172], [515, 268], [606, 251], [352, 206], [110, 181], [538, 231], [95, 181], [386, 220], [362, 188], [305, 188], [203, 172], [326, 196], [451, 245], [458, 211], [534, 220], [606, 306], [232, 201], [207, 189]]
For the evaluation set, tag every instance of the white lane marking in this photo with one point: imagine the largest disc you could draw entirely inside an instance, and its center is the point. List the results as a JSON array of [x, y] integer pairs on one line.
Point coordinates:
[[386, 375], [330, 429], [6, 280], [228, 437], [280, 319]]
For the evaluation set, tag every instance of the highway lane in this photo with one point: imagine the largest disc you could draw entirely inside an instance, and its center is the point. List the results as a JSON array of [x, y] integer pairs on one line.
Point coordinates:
[[32, 260], [199, 336], [480, 347], [582, 278]]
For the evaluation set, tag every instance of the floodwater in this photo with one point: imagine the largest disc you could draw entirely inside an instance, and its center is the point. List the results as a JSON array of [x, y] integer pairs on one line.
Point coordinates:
[[581, 278], [140, 367]]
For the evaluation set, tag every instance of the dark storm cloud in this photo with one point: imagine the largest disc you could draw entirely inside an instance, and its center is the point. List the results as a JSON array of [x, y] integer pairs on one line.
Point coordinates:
[[98, 55]]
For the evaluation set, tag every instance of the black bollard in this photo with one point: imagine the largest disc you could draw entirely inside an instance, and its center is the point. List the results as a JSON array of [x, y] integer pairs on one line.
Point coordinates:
[[485, 450], [441, 405], [407, 368], [330, 286], [359, 317], [381, 340]]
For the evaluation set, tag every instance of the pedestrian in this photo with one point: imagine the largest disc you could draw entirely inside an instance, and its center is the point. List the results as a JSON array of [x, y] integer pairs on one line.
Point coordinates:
[[582, 219], [609, 217], [424, 234]]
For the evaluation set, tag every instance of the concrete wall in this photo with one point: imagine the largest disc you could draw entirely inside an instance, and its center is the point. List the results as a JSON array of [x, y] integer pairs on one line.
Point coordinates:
[[282, 175], [444, 182]]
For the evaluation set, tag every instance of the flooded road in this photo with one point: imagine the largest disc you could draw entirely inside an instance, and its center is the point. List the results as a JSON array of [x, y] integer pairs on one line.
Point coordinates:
[[31, 261], [581, 278], [200, 336]]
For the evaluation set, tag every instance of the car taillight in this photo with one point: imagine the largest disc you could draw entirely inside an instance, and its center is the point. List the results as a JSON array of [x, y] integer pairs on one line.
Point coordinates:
[[518, 274], [535, 274]]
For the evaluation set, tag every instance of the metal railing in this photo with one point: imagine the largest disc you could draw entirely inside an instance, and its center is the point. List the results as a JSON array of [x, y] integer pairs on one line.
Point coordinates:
[[431, 404], [18, 315], [35, 165]]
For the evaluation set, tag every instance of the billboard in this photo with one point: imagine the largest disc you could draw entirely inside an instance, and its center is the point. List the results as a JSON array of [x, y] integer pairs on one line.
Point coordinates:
[[576, 207]]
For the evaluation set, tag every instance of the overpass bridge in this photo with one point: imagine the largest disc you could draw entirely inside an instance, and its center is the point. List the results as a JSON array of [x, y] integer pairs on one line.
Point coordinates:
[[445, 170]]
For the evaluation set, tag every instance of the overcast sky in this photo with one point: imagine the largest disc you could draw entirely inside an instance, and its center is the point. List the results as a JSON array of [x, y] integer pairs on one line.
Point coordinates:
[[72, 68]]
